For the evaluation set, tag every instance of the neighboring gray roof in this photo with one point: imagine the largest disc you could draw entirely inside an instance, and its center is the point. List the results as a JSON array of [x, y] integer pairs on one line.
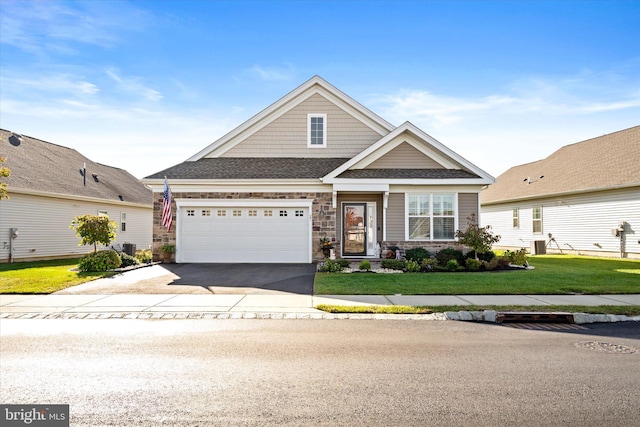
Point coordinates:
[[41, 166], [251, 168], [601, 163], [407, 174]]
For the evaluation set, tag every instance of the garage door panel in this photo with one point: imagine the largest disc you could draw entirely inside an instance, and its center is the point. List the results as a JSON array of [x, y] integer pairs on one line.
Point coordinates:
[[229, 234]]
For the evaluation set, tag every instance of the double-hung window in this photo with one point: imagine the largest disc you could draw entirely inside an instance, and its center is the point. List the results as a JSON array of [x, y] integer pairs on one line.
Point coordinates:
[[431, 217], [316, 130], [537, 219], [516, 218]]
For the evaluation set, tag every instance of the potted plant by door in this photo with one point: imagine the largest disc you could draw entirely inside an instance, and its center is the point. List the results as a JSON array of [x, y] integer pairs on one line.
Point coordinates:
[[326, 245], [166, 251]]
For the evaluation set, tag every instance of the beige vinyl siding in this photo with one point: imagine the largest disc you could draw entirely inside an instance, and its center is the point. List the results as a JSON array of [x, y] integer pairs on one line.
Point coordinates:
[[286, 136], [405, 156], [43, 224], [395, 217], [467, 205]]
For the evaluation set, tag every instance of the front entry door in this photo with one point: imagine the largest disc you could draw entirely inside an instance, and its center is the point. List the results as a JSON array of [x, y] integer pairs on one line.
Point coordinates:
[[355, 229]]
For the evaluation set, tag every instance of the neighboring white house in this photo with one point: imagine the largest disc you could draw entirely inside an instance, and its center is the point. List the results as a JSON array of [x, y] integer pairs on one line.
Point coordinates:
[[47, 190], [584, 198], [316, 164]]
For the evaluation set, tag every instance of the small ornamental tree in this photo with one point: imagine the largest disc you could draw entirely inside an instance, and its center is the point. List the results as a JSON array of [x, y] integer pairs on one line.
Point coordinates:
[[4, 173], [480, 239], [94, 229]]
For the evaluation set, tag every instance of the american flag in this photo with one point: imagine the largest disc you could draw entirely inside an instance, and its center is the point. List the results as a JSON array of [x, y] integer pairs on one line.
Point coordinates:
[[167, 216]]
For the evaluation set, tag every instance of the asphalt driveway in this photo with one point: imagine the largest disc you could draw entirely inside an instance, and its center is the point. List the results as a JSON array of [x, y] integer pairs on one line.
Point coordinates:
[[205, 279]]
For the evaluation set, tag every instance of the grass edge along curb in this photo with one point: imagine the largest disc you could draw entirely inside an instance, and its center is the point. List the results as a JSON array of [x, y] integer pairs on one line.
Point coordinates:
[[627, 310]]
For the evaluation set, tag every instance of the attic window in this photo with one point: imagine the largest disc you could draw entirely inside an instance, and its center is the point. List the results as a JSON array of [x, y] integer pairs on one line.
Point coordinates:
[[316, 130]]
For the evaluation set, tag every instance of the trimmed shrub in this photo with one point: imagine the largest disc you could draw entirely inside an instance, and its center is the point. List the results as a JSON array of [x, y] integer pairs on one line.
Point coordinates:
[[394, 264], [365, 265], [518, 257], [412, 266], [490, 265], [331, 266], [417, 254], [452, 265], [128, 260], [100, 261], [473, 264], [144, 256], [429, 264], [344, 263], [445, 255]]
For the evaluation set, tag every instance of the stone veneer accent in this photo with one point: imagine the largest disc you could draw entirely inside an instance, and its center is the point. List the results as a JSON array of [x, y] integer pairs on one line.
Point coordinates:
[[322, 225]]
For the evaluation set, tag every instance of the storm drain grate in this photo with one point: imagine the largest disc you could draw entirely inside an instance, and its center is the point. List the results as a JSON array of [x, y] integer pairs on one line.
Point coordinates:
[[535, 316], [605, 347], [546, 326]]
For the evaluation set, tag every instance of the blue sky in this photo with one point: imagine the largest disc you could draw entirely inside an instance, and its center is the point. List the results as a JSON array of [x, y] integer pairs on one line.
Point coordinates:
[[143, 85]]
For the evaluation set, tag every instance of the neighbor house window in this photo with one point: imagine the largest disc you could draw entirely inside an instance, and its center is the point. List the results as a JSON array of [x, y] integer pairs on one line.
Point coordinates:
[[537, 219], [516, 218], [102, 213], [317, 130], [123, 221], [431, 216]]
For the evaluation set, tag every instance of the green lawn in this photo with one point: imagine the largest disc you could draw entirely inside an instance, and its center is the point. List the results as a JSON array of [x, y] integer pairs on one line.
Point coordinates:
[[553, 274], [42, 277]]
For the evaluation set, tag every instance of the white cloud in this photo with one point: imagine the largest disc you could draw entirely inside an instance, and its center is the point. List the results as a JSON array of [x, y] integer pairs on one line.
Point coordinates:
[[273, 74], [133, 86]]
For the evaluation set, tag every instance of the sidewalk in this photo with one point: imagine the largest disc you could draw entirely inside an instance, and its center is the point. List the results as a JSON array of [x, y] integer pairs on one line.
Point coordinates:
[[161, 306]]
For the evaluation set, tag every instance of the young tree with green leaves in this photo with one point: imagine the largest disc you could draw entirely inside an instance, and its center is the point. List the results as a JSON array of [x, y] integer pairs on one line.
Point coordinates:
[[480, 239], [4, 173], [94, 229]]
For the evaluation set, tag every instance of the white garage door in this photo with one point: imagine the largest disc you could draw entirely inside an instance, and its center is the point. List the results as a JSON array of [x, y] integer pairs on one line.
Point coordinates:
[[243, 234]]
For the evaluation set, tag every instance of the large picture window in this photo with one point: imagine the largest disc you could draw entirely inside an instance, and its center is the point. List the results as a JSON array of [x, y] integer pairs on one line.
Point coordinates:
[[431, 216]]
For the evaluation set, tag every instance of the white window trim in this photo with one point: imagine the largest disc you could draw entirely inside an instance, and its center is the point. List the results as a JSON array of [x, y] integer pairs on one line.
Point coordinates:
[[431, 216], [123, 222], [324, 130], [533, 220], [515, 217]]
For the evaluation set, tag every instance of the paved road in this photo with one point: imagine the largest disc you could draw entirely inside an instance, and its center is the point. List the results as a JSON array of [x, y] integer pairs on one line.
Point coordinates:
[[318, 372]]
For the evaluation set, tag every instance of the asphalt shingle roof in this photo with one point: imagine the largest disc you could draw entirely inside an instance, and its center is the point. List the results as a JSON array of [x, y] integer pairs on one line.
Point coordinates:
[[407, 174], [251, 168], [41, 166], [608, 161]]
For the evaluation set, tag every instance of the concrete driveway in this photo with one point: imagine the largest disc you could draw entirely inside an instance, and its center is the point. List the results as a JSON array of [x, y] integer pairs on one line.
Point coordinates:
[[205, 279]]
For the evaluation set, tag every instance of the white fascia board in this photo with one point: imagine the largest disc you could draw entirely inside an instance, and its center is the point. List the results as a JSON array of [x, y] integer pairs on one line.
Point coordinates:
[[290, 101], [439, 188], [439, 182], [245, 203], [361, 186], [80, 198], [186, 186]]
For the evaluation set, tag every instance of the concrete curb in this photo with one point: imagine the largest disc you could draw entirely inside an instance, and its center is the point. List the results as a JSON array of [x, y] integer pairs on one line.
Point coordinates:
[[578, 318]]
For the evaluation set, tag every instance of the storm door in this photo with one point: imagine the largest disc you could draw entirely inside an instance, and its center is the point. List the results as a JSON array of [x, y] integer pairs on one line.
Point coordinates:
[[354, 229]]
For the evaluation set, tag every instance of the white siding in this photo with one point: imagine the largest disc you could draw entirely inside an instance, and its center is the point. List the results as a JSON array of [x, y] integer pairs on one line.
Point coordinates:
[[43, 224], [580, 223]]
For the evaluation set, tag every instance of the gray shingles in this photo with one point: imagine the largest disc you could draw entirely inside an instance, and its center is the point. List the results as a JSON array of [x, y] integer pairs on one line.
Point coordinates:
[[251, 168], [41, 166], [407, 174]]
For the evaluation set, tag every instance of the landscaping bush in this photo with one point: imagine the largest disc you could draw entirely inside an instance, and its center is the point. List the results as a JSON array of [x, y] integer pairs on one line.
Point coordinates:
[[344, 263], [365, 265], [518, 257], [100, 261], [128, 260], [445, 255], [331, 266], [452, 265], [394, 264], [412, 266], [417, 254], [473, 264], [144, 256], [490, 265], [429, 264]]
